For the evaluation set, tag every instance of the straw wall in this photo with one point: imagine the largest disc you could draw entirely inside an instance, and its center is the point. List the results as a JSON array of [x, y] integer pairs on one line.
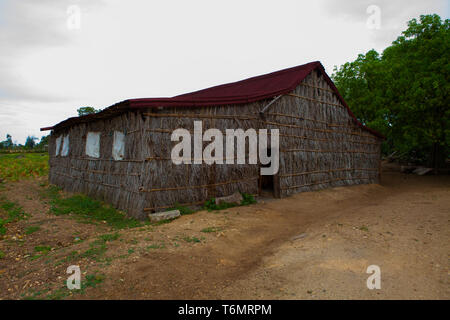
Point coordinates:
[[320, 147], [115, 182], [166, 184]]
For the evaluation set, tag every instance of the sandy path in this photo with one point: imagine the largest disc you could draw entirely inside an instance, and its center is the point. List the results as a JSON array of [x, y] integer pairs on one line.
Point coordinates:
[[313, 245]]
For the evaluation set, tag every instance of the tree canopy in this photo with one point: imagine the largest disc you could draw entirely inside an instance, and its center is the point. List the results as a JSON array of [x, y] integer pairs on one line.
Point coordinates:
[[86, 110], [404, 92], [8, 143], [30, 142]]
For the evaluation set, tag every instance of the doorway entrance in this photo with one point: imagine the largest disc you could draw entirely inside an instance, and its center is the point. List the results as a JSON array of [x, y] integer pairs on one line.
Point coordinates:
[[267, 183]]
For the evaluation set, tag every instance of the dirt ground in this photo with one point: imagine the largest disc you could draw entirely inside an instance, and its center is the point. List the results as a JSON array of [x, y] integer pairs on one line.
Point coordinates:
[[314, 245]]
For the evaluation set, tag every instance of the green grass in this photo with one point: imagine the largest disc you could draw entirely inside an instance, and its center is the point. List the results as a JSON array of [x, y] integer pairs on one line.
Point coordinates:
[[161, 222], [183, 209], [58, 294], [2, 227], [14, 167], [109, 237], [211, 205], [98, 248], [42, 249], [156, 246], [9, 212], [71, 257], [364, 228], [95, 252], [192, 239], [247, 199], [92, 280], [32, 229], [210, 230], [2, 254], [13, 211], [88, 209], [34, 294]]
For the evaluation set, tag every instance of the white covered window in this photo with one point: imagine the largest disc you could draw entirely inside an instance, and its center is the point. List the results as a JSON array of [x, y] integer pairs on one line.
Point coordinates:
[[93, 144], [65, 148], [118, 149], [58, 145]]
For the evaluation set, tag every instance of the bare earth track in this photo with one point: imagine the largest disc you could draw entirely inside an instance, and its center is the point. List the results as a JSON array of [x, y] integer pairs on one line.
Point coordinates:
[[314, 245]]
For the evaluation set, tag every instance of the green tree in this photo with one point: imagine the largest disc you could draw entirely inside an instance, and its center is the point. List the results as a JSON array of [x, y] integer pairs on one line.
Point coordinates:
[[403, 93], [8, 143], [86, 110], [30, 142], [43, 142]]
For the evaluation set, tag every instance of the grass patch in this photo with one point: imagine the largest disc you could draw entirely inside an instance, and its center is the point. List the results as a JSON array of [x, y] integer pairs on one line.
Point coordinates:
[[58, 294], [14, 167], [73, 255], [13, 211], [248, 199], [192, 239], [183, 210], [10, 212], [211, 205], [156, 246], [109, 237], [211, 230], [2, 227], [98, 247], [42, 249], [364, 228], [161, 222], [95, 252], [88, 209], [92, 280], [2, 254], [32, 229], [34, 294]]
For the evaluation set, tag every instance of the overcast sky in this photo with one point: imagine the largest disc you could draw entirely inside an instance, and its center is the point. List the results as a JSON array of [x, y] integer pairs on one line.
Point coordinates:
[[50, 64]]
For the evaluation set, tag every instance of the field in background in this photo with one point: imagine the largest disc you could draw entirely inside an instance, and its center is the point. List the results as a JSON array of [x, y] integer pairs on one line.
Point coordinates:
[[15, 166]]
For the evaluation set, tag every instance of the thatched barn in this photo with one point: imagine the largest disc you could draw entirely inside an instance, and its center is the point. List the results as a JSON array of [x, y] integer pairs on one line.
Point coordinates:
[[122, 155]]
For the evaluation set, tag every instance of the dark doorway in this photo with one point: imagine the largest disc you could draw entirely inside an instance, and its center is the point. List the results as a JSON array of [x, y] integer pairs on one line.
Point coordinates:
[[266, 183]]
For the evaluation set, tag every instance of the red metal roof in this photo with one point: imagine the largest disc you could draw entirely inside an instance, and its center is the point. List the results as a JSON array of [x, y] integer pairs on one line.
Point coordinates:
[[245, 91]]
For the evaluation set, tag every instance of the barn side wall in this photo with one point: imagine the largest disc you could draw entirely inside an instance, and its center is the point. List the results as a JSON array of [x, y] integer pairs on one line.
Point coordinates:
[[115, 182], [166, 184]]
